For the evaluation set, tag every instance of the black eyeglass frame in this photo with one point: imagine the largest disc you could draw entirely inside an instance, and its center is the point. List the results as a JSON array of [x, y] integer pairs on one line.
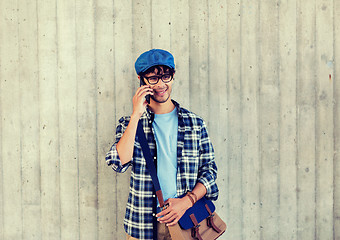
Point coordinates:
[[160, 77]]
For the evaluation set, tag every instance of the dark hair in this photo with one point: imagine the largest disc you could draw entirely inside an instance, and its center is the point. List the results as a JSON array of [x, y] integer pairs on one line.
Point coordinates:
[[159, 69]]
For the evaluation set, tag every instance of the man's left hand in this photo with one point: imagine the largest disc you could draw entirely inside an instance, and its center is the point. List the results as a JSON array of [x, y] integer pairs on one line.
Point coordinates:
[[175, 210]]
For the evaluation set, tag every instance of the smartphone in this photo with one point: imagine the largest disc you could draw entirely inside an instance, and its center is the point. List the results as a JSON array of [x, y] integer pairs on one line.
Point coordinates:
[[147, 97]]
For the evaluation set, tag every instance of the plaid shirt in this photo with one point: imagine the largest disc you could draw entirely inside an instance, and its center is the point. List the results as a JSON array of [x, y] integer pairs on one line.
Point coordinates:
[[195, 155]]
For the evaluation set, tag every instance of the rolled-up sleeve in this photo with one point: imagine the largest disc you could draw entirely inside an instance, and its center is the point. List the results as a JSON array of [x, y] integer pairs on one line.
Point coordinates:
[[112, 157], [207, 172]]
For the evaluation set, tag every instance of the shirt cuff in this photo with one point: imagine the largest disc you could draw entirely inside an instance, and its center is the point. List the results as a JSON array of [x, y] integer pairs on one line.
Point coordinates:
[[210, 185], [113, 160]]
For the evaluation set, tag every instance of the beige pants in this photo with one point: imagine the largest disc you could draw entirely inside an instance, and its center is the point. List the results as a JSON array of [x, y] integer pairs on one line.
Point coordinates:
[[162, 233]]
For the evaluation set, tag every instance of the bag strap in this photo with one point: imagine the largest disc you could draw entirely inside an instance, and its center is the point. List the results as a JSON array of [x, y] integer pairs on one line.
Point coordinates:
[[210, 220], [174, 230], [195, 234], [149, 162]]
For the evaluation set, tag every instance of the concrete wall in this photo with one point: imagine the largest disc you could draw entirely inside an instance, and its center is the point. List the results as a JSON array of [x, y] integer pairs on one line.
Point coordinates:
[[263, 74]]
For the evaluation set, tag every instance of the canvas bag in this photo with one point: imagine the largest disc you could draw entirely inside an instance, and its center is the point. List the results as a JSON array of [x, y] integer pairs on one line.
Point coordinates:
[[200, 222]]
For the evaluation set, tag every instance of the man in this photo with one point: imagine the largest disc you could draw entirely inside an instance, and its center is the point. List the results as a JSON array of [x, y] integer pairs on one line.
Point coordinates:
[[179, 143]]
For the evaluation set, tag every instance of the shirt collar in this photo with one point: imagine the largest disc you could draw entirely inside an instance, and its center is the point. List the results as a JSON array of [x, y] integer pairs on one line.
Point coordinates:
[[151, 115]]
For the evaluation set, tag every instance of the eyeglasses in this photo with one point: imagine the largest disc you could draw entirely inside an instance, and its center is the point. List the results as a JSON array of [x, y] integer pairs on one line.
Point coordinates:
[[153, 80]]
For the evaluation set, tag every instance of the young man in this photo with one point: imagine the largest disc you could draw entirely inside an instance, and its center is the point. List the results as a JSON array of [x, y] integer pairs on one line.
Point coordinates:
[[179, 143]]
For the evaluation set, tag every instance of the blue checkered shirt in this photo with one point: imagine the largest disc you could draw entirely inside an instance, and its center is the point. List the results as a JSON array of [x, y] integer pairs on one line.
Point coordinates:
[[196, 163]]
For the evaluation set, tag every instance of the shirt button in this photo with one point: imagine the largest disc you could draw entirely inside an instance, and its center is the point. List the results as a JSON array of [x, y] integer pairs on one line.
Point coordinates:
[[155, 158], [154, 195], [154, 214]]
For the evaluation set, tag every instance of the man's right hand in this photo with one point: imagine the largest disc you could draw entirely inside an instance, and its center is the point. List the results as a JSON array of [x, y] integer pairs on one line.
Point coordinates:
[[139, 102], [126, 143]]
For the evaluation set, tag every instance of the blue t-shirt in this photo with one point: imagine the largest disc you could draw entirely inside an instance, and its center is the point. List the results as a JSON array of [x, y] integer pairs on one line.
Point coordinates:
[[165, 127]]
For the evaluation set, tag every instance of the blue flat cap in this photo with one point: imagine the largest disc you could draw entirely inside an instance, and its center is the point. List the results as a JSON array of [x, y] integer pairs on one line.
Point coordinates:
[[152, 58]]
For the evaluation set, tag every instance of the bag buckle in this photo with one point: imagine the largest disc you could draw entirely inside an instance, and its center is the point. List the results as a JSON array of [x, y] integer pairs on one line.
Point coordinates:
[[210, 220], [195, 232], [195, 229]]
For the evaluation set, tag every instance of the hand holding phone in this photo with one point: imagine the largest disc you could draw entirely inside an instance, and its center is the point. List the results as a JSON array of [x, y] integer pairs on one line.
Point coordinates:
[[147, 97]]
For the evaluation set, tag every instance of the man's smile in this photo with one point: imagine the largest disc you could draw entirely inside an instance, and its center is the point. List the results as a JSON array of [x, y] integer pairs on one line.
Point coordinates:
[[160, 92]]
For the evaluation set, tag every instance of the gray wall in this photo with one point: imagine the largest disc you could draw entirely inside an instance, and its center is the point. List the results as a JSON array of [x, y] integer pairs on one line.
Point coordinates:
[[263, 74]]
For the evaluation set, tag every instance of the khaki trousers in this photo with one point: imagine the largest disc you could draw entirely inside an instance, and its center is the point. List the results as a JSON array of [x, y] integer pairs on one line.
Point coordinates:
[[162, 233]]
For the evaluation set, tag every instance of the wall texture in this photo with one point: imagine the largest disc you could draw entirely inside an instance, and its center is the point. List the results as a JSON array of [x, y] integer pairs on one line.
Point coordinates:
[[263, 74]]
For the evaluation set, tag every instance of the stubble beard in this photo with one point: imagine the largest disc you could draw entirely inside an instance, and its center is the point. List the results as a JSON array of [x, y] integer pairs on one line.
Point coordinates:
[[161, 101]]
